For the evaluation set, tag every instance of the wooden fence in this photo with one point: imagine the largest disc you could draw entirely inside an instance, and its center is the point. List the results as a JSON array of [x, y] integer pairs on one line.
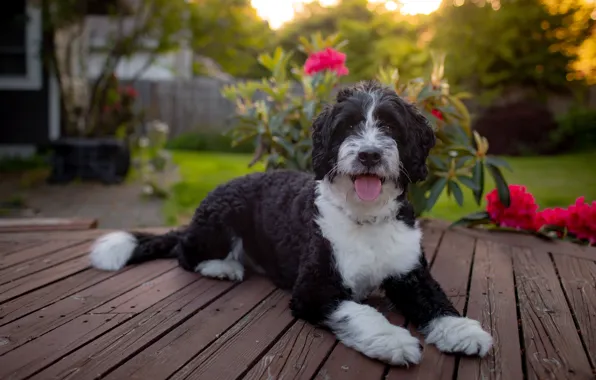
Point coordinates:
[[197, 104]]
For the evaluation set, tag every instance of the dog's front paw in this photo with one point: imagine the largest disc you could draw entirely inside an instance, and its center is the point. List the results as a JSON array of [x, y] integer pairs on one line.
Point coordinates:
[[395, 346], [458, 335]]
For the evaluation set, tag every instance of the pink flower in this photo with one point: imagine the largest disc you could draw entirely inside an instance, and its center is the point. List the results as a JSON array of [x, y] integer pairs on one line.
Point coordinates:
[[581, 220], [521, 212], [553, 217], [328, 59]]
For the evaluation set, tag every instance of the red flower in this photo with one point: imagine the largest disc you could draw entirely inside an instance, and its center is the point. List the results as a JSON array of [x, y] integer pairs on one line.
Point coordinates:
[[328, 59], [521, 212], [438, 114], [131, 91], [556, 217], [581, 220]]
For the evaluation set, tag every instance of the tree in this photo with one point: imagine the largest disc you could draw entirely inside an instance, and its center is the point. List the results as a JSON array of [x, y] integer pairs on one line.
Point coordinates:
[[497, 44], [377, 37], [231, 33], [150, 26]]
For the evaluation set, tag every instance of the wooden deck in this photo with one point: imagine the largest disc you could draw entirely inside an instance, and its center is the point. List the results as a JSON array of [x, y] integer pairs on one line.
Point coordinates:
[[59, 319]]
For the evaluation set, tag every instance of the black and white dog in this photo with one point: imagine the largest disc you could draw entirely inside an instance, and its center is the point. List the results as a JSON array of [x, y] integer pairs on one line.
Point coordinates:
[[332, 238]]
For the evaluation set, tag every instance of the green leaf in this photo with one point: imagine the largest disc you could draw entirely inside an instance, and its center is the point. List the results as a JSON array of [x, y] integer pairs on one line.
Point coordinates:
[[435, 192], [436, 161], [457, 193], [478, 177], [417, 195], [461, 161], [497, 161], [468, 182], [476, 218], [501, 185]]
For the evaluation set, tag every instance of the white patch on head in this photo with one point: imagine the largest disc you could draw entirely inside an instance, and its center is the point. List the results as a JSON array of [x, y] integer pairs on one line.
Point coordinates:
[[367, 253], [112, 251], [370, 136], [458, 334], [364, 329]]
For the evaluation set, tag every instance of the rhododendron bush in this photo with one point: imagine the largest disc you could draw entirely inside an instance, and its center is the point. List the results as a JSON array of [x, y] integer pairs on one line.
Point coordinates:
[[277, 112], [577, 222]]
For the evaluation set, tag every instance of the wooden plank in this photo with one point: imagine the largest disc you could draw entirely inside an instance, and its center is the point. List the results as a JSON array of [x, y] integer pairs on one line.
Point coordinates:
[[149, 292], [579, 282], [451, 269], [37, 280], [50, 294], [553, 349], [114, 348], [244, 342], [31, 357], [10, 246], [14, 225], [41, 263], [557, 247], [35, 252], [168, 354], [297, 354], [430, 242], [42, 321], [492, 302]]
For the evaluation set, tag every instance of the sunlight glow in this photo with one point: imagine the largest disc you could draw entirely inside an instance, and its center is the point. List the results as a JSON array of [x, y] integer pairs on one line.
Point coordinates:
[[278, 12]]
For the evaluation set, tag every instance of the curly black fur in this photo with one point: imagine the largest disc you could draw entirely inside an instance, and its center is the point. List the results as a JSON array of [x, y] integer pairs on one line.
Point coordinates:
[[274, 214]]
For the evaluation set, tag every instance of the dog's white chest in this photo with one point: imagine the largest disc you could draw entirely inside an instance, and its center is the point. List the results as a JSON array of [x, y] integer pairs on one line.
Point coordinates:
[[367, 254]]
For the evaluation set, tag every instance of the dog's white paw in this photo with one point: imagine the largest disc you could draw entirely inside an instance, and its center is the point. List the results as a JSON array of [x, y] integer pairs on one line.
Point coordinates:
[[458, 335], [221, 269], [398, 347], [364, 329]]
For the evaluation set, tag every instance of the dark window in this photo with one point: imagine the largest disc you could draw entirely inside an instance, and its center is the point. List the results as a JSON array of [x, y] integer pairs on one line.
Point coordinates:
[[13, 44]]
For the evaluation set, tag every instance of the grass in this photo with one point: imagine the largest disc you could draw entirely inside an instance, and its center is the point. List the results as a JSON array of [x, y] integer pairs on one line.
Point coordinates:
[[555, 181]]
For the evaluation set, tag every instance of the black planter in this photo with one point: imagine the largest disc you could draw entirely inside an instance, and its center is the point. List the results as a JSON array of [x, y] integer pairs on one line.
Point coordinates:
[[101, 159]]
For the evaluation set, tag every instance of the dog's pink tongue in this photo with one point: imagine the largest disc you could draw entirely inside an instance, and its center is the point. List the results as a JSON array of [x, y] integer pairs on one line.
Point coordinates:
[[368, 187]]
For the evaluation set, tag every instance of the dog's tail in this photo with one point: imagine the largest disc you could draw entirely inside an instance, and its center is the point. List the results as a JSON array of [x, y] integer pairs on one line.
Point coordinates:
[[115, 250]]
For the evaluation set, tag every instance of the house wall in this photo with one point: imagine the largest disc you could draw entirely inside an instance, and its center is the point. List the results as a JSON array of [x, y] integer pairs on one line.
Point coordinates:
[[29, 104]]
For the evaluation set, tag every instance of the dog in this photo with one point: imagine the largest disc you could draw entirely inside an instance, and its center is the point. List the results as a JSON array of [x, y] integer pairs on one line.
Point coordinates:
[[331, 238]]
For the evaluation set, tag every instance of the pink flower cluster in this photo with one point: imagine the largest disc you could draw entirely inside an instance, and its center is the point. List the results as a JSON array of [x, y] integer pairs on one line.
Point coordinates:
[[328, 59], [579, 219]]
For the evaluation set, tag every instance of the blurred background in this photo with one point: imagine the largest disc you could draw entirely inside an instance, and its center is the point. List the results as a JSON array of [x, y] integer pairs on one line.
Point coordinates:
[[131, 111]]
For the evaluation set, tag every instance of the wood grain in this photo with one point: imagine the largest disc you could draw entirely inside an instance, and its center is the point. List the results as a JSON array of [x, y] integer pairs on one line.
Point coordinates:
[[578, 278], [552, 345], [35, 251], [33, 356], [244, 342], [42, 321], [114, 348], [164, 357], [37, 264], [296, 355], [492, 302]]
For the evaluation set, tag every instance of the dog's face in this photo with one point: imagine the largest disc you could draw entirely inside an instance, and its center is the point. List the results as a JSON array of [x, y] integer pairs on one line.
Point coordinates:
[[370, 144]]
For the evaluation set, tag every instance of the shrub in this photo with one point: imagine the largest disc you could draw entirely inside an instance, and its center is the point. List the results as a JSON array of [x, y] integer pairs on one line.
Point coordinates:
[[521, 128], [576, 130], [208, 142], [281, 124]]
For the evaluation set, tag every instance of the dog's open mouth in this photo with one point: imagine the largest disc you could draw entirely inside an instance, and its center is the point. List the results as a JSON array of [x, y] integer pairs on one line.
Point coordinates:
[[368, 186]]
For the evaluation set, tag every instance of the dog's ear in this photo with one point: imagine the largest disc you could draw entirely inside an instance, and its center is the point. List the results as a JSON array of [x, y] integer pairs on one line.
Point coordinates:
[[419, 139], [321, 137]]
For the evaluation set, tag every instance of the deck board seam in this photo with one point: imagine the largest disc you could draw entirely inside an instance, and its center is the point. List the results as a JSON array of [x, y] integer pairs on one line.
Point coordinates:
[[573, 315], [134, 353], [222, 333]]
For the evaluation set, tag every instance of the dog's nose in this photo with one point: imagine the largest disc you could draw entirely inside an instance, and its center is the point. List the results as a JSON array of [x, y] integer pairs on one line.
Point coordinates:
[[369, 156]]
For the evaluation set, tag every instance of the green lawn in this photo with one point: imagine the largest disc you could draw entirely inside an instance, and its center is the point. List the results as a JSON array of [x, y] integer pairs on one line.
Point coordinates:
[[555, 181]]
